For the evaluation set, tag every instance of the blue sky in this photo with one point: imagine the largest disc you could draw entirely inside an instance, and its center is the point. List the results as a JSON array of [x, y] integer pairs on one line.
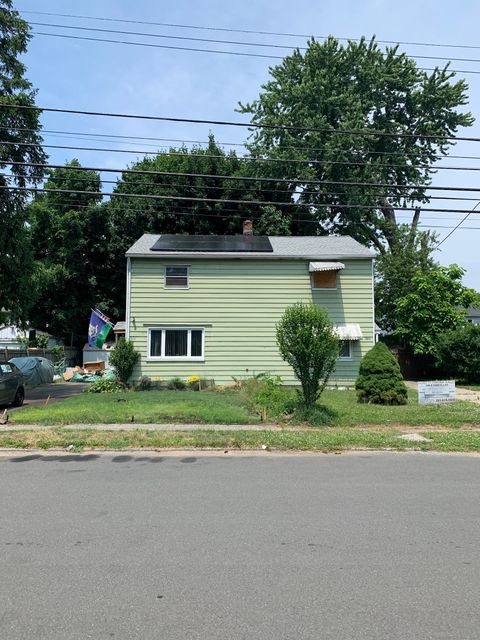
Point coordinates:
[[112, 77]]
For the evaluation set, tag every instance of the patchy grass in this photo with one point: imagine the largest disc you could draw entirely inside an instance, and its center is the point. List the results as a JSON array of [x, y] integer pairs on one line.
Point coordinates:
[[350, 413], [141, 407], [336, 409], [340, 408], [326, 440]]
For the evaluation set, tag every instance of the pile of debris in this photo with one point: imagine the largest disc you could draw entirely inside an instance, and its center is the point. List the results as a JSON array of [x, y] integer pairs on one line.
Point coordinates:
[[90, 372]]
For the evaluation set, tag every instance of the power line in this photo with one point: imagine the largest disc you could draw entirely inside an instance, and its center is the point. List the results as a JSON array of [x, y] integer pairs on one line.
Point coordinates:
[[458, 225], [218, 200], [297, 181], [361, 132], [251, 31], [160, 46], [114, 135], [85, 135], [244, 189], [215, 41], [88, 135], [214, 187], [239, 158], [197, 50], [169, 37], [240, 213], [236, 213]]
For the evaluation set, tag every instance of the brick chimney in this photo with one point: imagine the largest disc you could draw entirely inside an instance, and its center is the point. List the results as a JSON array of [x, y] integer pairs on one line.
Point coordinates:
[[247, 228]]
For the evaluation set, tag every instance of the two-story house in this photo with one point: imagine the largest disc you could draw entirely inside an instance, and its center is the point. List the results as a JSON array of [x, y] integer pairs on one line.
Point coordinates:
[[209, 305]]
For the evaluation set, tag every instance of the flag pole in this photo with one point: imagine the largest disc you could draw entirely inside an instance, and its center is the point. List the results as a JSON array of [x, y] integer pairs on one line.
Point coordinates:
[[103, 316]]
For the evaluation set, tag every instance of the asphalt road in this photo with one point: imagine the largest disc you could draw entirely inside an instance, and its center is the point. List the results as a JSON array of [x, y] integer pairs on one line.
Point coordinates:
[[371, 545], [37, 396]]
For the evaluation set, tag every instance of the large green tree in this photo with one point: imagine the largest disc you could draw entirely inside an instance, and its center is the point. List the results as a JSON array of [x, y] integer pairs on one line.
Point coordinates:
[[435, 305], [133, 216], [321, 97], [19, 143], [70, 235]]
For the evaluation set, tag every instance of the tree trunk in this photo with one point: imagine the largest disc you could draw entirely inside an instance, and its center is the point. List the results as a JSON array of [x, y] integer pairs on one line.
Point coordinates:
[[391, 223], [414, 227]]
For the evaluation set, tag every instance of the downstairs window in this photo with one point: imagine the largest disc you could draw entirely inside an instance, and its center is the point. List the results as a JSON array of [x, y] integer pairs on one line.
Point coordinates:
[[175, 344], [345, 350]]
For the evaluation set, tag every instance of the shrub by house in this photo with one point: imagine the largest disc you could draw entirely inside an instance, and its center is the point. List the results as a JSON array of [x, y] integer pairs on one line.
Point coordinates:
[[307, 342], [123, 359]]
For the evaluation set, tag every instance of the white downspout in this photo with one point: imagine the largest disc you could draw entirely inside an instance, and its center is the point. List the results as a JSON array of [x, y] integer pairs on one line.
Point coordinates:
[[128, 301], [373, 303]]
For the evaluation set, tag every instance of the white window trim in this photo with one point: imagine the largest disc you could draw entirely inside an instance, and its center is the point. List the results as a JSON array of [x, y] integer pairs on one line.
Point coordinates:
[[187, 358], [349, 357], [323, 288], [187, 267]]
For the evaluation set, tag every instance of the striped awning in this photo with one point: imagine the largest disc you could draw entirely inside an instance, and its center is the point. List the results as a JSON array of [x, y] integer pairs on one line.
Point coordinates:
[[348, 331], [325, 266]]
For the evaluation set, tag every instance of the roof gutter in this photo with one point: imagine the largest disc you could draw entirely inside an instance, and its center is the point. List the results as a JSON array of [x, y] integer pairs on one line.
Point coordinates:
[[248, 256]]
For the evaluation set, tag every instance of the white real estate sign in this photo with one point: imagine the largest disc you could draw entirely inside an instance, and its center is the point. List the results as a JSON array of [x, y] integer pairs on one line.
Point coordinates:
[[436, 391]]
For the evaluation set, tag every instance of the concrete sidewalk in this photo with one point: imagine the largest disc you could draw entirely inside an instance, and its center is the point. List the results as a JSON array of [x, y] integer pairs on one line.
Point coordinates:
[[134, 426]]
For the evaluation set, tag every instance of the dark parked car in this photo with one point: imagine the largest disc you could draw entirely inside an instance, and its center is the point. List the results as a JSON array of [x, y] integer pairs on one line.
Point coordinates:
[[12, 389]]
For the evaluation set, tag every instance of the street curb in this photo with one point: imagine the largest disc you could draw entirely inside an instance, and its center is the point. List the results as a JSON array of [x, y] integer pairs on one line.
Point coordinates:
[[134, 426], [220, 452]]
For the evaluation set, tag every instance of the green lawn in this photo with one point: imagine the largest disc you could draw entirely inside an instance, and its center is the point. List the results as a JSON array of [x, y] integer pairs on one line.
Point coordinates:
[[327, 440], [231, 408], [350, 413], [143, 406]]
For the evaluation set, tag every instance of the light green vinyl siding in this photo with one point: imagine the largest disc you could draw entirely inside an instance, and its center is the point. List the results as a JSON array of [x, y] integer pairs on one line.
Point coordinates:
[[239, 303]]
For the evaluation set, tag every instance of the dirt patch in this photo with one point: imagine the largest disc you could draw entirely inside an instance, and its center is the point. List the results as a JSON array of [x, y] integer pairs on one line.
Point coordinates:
[[402, 428]]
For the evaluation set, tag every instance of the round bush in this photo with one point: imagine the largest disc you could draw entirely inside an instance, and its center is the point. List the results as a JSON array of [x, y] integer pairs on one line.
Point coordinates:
[[380, 380]]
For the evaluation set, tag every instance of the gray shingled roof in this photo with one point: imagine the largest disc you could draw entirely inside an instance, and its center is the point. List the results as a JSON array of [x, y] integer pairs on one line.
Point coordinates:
[[306, 247]]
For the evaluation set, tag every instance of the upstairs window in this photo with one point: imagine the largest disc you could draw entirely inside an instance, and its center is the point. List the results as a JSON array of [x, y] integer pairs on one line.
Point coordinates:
[[324, 274], [176, 277], [324, 280]]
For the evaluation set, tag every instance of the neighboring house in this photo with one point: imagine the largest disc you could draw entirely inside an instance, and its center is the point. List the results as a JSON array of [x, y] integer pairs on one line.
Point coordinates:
[[11, 336], [473, 315], [209, 305]]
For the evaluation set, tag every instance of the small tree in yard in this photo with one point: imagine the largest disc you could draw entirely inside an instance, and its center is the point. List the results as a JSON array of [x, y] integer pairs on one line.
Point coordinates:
[[307, 343], [380, 380], [123, 359], [433, 306]]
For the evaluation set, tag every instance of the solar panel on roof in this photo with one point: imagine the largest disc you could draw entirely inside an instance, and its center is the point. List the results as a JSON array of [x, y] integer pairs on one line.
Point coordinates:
[[227, 244]]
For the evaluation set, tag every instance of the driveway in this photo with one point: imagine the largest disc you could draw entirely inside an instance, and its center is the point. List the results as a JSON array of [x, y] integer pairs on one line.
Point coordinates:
[[460, 393], [57, 391], [366, 546]]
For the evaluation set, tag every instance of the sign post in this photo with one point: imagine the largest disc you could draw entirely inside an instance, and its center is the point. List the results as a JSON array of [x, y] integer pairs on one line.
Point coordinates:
[[436, 392]]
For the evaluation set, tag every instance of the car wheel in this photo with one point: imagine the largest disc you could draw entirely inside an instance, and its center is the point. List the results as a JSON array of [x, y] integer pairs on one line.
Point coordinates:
[[19, 397]]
